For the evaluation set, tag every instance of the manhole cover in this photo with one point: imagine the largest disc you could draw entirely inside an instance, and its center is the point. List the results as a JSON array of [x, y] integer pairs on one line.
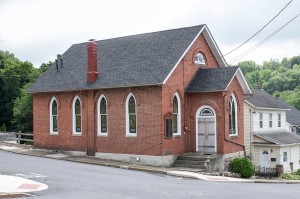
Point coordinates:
[[16, 195]]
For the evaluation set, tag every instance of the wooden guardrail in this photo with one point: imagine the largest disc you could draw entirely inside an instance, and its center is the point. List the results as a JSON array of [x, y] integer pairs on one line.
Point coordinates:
[[17, 137]]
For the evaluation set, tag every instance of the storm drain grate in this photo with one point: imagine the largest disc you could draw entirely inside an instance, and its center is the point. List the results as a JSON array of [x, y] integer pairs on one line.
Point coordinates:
[[15, 195]]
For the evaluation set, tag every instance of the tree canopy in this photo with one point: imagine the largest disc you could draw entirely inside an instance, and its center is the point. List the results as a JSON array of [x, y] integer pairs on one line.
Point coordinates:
[[277, 78]]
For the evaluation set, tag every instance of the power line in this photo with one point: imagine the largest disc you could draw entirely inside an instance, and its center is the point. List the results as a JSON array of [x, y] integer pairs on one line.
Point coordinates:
[[263, 41], [259, 30]]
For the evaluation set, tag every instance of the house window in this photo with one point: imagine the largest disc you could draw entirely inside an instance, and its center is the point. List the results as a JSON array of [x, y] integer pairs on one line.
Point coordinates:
[[102, 116], [285, 157], [270, 120], [232, 116], [130, 115], [53, 116], [261, 120], [77, 116], [176, 115], [279, 119]]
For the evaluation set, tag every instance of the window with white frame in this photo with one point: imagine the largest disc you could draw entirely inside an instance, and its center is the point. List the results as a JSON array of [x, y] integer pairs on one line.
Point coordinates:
[[131, 115], [270, 120], [77, 116], [285, 156], [261, 122], [279, 119], [233, 130], [53, 116], [102, 116], [176, 115]]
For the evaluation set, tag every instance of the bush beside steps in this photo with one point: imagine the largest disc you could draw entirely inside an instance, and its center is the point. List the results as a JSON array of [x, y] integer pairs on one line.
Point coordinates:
[[242, 166]]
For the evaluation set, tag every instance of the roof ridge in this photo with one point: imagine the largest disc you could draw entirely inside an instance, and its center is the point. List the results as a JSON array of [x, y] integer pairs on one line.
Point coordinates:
[[145, 33]]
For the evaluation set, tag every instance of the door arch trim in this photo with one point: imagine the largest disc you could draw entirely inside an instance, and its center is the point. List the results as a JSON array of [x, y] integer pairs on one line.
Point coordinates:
[[197, 118]]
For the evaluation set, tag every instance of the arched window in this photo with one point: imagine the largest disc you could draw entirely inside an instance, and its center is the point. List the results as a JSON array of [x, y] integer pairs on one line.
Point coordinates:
[[131, 115], [77, 116], [53, 116], [233, 119], [176, 115], [199, 59], [102, 116]]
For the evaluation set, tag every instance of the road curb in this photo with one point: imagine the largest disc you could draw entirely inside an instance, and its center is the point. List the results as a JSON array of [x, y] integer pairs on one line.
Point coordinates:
[[122, 165]]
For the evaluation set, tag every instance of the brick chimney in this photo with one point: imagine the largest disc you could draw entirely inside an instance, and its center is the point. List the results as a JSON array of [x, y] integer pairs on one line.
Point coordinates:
[[92, 73]]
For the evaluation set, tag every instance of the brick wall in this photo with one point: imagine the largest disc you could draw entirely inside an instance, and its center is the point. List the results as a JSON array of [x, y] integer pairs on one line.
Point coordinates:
[[147, 141], [177, 82]]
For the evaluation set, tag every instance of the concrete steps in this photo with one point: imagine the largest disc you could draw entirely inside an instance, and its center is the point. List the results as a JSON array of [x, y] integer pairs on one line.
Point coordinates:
[[201, 162]]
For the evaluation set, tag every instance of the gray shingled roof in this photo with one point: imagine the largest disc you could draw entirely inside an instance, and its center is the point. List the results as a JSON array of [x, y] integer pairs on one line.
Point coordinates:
[[211, 80], [292, 115], [262, 99], [137, 60], [280, 137]]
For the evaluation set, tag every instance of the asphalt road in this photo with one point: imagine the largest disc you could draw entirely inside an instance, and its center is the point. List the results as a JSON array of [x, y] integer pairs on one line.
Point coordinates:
[[77, 180]]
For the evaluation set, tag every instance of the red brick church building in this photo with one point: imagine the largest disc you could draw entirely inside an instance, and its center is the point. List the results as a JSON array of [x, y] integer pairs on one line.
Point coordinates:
[[149, 96]]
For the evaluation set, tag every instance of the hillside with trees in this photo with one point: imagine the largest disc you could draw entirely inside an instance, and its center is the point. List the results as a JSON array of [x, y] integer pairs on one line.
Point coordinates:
[[15, 104], [281, 79]]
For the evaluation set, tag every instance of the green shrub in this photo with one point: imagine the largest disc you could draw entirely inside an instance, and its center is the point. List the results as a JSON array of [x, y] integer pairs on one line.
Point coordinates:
[[243, 166], [297, 172], [289, 176]]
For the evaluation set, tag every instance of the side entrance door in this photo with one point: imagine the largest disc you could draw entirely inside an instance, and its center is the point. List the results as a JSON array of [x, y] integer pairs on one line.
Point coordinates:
[[206, 130]]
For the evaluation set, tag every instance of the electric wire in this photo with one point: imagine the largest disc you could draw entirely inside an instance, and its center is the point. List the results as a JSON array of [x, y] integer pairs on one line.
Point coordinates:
[[263, 41], [259, 30]]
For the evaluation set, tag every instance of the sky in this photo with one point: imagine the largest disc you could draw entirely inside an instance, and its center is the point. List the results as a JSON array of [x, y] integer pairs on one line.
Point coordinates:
[[38, 30]]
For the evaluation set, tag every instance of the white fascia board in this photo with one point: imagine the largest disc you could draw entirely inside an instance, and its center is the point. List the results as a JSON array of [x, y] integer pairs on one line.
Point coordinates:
[[266, 138], [164, 82], [214, 48], [242, 81], [249, 104]]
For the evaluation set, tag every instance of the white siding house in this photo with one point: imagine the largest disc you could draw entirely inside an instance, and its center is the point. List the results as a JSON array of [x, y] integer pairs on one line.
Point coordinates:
[[267, 142]]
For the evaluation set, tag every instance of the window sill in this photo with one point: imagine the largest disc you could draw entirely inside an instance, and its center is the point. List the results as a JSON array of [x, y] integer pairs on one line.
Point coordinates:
[[177, 135], [53, 133], [102, 135], [131, 135], [234, 136], [76, 134]]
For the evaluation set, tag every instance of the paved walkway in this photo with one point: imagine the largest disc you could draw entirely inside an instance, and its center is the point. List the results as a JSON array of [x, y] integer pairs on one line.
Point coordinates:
[[10, 184]]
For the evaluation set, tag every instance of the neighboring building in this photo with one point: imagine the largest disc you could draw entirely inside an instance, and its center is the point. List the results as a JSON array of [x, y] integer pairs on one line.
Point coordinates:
[[267, 141], [146, 97], [292, 118]]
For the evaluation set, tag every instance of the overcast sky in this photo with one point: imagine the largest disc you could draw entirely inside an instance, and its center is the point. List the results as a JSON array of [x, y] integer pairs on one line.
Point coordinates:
[[37, 30]]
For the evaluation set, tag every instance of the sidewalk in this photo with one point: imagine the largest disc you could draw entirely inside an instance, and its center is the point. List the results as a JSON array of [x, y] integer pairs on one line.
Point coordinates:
[[173, 171]]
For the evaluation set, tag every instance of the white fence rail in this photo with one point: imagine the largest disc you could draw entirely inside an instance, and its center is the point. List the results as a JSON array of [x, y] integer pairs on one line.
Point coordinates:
[[16, 137]]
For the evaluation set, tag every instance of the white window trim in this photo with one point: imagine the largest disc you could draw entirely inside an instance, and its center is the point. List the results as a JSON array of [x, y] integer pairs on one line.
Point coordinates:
[[74, 117], [51, 118], [128, 134], [279, 120], [178, 116], [270, 120], [261, 120], [287, 156], [236, 117], [100, 133]]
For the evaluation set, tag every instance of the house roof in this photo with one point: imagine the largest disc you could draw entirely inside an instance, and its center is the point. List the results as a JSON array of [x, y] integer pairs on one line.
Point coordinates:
[[137, 60], [262, 99], [216, 79], [292, 115], [280, 137]]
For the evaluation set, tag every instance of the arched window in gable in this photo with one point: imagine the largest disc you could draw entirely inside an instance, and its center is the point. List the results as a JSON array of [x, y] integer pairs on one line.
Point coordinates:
[[53, 116], [233, 116]]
